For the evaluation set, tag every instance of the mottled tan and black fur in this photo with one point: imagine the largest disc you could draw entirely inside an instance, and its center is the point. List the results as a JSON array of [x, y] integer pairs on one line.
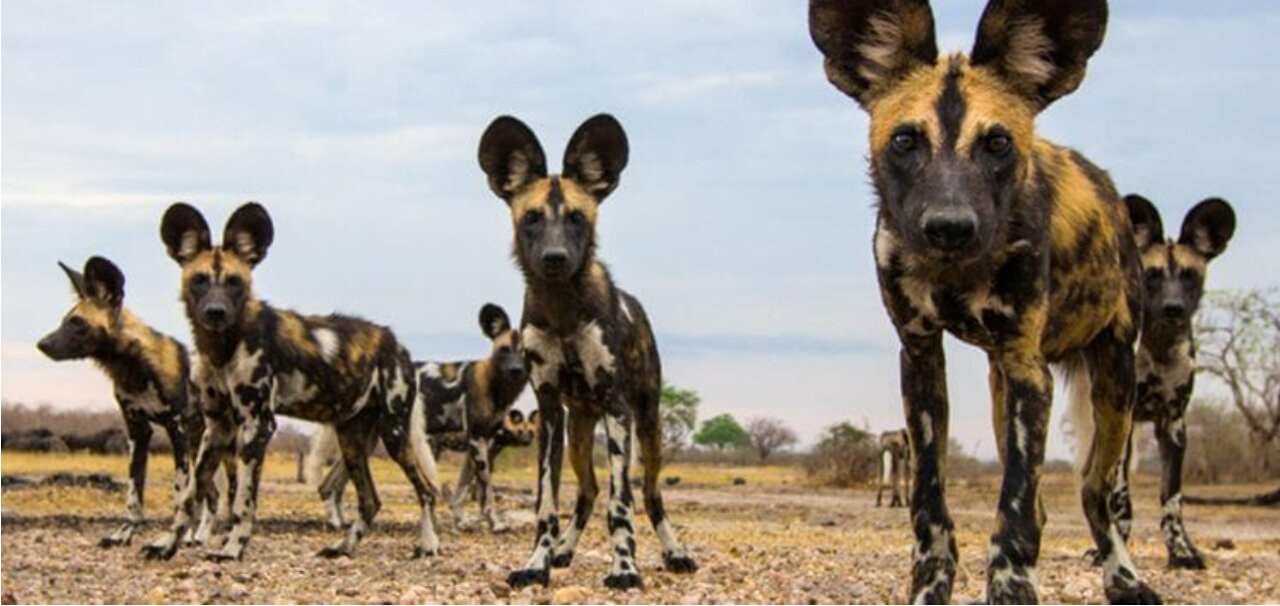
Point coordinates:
[[1174, 272], [255, 361], [590, 348], [148, 371], [465, 402], [1009, 242]]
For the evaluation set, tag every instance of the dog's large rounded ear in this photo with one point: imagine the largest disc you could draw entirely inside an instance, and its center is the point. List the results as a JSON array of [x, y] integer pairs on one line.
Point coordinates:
[[870, 45], [249, 233], [184, 232], [1147, 227], [1208, 227], [1040, 48], [76, 278], [493, 321], [104, 281], [510, 157], [596, 155]]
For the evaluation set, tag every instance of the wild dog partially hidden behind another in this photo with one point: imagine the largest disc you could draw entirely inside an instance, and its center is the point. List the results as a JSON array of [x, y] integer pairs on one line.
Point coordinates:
[[1173, 276], [589, 345], [516, 430], [1011, 243], [148, 371], [255, 361], [467, 401]]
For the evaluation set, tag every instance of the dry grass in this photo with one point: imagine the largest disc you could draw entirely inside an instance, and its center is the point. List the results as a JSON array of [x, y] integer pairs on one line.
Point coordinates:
[[774, 539]]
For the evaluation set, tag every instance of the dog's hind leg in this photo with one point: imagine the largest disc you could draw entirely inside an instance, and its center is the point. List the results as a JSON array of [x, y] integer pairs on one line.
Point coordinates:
[[139, 432], [581, 443], [1111, 370], [649, 433]]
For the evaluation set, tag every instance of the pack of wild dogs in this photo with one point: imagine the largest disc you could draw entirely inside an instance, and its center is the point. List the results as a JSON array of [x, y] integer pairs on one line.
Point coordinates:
[[1012, 243]]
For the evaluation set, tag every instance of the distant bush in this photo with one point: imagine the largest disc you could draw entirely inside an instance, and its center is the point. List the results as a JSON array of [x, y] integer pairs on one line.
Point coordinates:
[[75, 423], [845, 456], [1220, 448]]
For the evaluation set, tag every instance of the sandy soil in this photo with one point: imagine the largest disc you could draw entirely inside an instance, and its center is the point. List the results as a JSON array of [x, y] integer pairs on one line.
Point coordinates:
[[773, 539]]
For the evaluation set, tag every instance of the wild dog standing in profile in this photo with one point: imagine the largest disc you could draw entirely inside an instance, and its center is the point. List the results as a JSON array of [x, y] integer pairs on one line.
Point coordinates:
[[468, 400], [895, 467], [148, 371], [1173, 277], [255, 362], [1011, 243], [589, 345]]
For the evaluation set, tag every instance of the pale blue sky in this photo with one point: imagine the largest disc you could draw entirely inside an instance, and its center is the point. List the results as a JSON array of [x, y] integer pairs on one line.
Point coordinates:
[[743, 221]]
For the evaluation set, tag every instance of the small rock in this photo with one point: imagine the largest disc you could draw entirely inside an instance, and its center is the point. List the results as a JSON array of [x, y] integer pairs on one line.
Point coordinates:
[[236, 592], [672, 480], [739, 481], [1224, 544], [573, 594]]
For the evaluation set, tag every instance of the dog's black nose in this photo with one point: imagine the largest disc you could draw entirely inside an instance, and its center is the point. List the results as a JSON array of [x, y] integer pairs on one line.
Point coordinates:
[[1174, 310], [515, 373], [45, 346], [949, 229], [555, 258], [215, 314]]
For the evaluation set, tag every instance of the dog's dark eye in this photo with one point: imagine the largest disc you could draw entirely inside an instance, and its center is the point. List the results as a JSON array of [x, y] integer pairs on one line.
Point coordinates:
[[235, 282], [577, 218], [200, 280], [999, 144], [1154, 275], [904, 142], [532, 217], [77, 322]]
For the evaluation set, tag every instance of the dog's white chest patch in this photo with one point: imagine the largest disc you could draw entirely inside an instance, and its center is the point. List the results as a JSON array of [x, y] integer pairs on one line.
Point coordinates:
[[596, 359]]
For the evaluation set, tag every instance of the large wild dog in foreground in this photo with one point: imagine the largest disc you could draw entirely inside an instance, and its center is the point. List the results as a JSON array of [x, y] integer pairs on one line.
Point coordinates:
[[589, 345], [1009, 242], [255, 362], [148, 371], [1173, 278], [464, 402]]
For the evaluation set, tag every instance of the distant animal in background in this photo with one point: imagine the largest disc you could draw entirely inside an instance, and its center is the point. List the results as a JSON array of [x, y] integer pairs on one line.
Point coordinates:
[[590, 348], [516, 431], [895, 468], [466, 406], [256, 361], [1009, 242], [1174, 273], [149, 375]]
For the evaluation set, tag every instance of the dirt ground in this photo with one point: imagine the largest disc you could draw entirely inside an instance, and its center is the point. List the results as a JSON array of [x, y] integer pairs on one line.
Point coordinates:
[[773, 539]]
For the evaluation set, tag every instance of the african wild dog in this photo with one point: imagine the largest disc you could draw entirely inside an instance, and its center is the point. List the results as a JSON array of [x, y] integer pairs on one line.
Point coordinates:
[[589, 344], [148, 371], [516, 430], [466, 400], [255, 361], [895, 467], [1174, 274], [1007, 241]]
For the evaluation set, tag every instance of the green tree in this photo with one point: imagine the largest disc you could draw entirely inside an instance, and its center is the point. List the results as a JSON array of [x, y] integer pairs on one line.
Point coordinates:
[[722, 432], [679, 411]]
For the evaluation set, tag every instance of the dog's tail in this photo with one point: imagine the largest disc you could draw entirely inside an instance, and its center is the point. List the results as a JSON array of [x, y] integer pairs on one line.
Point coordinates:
[[324, 452], [418, 442], [1080, 410]]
